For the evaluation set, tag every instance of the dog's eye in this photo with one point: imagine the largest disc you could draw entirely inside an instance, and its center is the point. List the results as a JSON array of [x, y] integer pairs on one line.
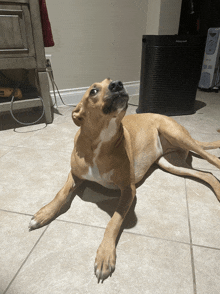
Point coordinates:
[[93, 92]]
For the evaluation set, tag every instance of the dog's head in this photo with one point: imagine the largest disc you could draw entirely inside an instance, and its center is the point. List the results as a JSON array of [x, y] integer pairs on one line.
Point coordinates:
[[103, 100]]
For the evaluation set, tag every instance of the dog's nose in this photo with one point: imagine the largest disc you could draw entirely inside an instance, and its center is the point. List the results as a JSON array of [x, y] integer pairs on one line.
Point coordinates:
[[115, 86]]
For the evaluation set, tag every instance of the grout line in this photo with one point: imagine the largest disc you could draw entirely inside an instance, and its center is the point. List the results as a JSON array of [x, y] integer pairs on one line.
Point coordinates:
[[207, 247], [125, 232], [9, 285], [16, 212], [103, 228], [7, 152], [154, 237], [191, 245], [81, 224]]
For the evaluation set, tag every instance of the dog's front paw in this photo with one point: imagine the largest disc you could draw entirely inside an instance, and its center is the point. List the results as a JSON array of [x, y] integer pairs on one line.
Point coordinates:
[[42, 217], [105, 261], [33, 224]]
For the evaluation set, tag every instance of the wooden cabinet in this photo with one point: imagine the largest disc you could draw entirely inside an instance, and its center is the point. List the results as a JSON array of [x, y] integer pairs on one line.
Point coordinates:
[[22, 47]]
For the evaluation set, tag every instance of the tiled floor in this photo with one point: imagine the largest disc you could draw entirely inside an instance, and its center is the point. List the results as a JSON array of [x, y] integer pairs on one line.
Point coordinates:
[[172, 240]]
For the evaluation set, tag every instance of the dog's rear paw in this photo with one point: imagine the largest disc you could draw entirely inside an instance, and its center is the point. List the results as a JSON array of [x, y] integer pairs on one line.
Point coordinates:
[[105, 262]]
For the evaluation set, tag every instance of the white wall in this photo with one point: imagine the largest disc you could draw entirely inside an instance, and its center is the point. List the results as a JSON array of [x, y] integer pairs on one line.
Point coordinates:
[[169, 17], [163, 17], [95, 39]]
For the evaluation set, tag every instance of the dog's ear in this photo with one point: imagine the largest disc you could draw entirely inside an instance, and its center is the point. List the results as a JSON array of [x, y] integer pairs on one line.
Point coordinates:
[[78, 115]]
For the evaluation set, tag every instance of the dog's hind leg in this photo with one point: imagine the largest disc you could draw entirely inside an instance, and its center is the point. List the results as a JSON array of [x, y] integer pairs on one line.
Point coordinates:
[[174, 163], [178, 136]]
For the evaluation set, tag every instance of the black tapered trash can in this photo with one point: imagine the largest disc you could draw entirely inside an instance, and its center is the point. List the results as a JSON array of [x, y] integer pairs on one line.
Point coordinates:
[[170, 72]]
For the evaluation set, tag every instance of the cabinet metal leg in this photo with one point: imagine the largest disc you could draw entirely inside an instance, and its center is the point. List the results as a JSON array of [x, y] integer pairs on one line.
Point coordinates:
[[45, 94]]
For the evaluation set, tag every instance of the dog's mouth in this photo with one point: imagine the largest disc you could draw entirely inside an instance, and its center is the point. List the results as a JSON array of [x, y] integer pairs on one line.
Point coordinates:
[[116, 101]]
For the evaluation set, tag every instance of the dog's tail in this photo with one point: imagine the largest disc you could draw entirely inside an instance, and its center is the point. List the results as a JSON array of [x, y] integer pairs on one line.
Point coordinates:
[[209, 145]]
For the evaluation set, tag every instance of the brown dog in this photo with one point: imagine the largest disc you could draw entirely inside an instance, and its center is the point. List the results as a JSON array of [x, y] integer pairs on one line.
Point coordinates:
[[116, 152]]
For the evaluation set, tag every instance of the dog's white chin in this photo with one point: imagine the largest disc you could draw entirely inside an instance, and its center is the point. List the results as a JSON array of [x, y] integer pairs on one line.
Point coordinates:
[[123, 106], [118, 104], [119, 110]]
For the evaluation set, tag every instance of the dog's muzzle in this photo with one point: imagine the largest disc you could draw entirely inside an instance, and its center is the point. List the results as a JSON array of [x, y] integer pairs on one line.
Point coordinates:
[[117, 98]]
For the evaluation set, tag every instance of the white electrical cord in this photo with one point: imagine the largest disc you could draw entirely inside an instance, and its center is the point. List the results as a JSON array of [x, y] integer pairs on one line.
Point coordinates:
[[12, 101], [54, 85], [23, 123]]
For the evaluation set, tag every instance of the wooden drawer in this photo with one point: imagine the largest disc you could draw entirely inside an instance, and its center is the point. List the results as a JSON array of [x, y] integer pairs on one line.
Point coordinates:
[[22, 47], [16, 37]]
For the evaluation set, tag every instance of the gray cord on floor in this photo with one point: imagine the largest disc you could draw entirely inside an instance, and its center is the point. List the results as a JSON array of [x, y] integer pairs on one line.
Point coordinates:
[[23, 123]]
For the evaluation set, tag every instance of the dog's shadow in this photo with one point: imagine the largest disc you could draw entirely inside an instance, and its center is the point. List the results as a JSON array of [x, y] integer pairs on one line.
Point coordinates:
[[106, 199]]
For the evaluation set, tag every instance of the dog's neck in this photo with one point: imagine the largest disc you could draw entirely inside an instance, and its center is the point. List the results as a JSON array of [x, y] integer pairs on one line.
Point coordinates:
[[111, 134]]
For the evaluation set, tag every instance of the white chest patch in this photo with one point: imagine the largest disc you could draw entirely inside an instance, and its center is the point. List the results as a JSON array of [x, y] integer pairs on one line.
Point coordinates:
[[104, 179], [93, 172], [107, 133]]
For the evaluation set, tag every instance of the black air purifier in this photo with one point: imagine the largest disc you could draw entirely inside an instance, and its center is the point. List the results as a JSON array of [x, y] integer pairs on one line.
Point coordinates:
[[170, 73]]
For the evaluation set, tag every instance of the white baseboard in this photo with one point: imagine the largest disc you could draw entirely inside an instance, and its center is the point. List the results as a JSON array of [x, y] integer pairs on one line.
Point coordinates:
[[73, 96]]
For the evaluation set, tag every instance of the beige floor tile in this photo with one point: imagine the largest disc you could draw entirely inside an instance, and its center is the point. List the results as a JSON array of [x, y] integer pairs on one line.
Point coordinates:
[[56, 137], [203, 165], [211, 111], [14, 137], [131, 110], [63, 263], [16, 244], [160, 210], [30, 178], [198, 123], [93, 205], [204, 210], [205, 137], [210, 98], [206, 119], [207, 270], [63, 114], [161, 207], [199, 163], [134, 100], [60, 111], [4, 150]]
